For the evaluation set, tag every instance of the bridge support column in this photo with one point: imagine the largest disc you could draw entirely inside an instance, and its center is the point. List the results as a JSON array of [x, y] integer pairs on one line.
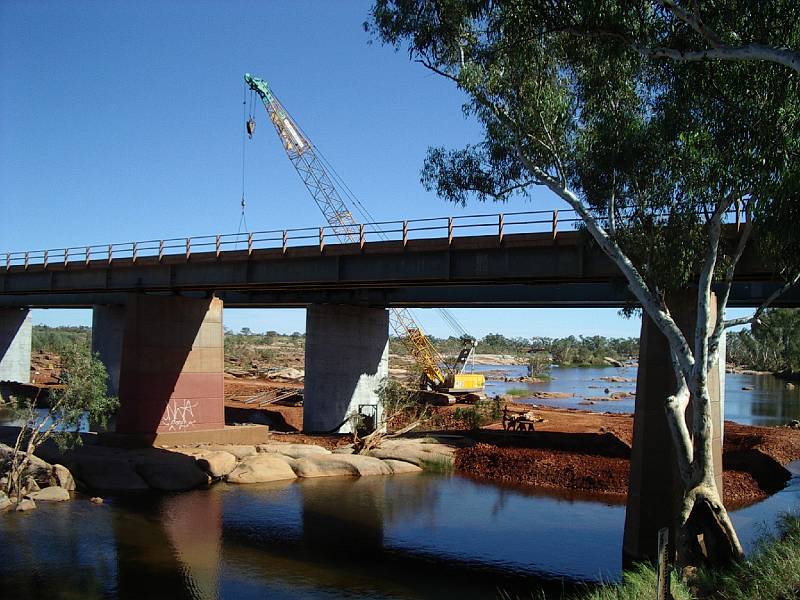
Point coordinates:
[[347, 357], [108, 328], [654, 489], [15, 345], [171, 364]]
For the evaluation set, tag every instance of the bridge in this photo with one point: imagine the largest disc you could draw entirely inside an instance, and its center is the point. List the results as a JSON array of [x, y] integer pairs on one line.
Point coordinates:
[[158, 316], [530, 259]]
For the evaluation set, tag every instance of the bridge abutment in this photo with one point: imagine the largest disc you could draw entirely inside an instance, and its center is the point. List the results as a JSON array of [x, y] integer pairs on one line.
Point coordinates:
[[15, 345], [654, 488], [168, 351], [347, 357]]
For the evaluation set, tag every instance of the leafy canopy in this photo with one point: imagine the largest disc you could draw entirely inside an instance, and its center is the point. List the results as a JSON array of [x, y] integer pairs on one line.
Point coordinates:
[[650, 145]]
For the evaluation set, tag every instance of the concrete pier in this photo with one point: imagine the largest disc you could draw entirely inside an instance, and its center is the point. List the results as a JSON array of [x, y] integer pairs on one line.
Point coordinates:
[[347, 357], [654, 485], [15, 345], [170, 365], [108, 327]]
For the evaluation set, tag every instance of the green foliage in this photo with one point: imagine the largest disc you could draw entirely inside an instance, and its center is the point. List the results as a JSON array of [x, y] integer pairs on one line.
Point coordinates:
[[638, 583], [771, 345], [518, 392], [771, 572], [651, 146], [54, 340], [82, 395], [479, 414], [539, 364]]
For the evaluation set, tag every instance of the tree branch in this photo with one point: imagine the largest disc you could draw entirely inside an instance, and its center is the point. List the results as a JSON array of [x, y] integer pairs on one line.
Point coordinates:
[[772, 297], [722, 299]]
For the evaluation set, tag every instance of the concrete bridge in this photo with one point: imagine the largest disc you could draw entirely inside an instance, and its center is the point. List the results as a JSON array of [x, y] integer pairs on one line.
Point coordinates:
[[158, 315]]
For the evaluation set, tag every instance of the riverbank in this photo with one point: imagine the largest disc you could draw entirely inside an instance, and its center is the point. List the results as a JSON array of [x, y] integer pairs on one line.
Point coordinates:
[[771, 573], [590, 452]]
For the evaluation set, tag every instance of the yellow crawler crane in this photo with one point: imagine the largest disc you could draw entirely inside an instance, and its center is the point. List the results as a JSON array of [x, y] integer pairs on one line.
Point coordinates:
[[444, 381]]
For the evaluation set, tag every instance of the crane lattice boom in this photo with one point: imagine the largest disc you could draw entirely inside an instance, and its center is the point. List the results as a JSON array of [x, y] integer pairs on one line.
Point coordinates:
[[312, 171]]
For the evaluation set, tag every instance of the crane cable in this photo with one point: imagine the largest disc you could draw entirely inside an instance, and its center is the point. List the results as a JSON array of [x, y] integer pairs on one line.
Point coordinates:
[[245, 130]]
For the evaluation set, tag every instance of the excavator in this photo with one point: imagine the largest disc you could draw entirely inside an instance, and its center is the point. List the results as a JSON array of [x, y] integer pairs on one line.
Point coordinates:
[[442, 383]]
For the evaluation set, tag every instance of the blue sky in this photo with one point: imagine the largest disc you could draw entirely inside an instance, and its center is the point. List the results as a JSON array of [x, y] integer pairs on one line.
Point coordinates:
[[123, 121]]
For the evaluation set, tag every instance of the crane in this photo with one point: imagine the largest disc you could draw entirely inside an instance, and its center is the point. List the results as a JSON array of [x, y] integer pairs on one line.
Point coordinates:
[[446, 380]]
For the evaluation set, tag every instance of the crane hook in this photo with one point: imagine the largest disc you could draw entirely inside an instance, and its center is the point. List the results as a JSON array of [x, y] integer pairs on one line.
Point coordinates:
[[251, 127]]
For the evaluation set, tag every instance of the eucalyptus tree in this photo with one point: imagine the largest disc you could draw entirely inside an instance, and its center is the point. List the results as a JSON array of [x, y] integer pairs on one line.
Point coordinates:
[[652, 121]]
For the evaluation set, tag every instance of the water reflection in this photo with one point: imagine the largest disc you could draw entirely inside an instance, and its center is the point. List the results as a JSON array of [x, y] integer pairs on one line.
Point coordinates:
[[376, 537]]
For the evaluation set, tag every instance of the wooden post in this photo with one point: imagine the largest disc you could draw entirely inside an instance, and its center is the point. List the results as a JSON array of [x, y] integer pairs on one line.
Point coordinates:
[[110, 253], [46, 254], [66, 257], [160, 250], [249, 244], [188, 248], [663, 573], [26, 261], [405, 233], [321, 239], [362, 236], [449, 230], [135, 252], [88, 255], [218, 245], [501, 221], [555, 223], [8, 261], [285, 240]]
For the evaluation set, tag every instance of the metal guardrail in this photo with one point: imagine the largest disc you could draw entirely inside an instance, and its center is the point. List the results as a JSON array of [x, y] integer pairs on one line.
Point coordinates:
[[489, 224]]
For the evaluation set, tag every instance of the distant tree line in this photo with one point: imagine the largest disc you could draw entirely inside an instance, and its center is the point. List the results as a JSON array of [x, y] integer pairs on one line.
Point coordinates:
[[572, 351], [56, 340], [772, 344]]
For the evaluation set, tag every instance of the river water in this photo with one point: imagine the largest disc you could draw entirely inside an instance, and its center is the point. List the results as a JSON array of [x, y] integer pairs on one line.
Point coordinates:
[[749, 399], [405, 536]]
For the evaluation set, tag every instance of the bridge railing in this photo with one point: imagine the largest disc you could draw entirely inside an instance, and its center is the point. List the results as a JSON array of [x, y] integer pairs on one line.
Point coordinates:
[[487, 224]]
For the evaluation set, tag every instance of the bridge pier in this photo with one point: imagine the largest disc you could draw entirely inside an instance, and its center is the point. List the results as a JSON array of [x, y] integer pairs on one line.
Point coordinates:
[[654, 488], [15, 345], [108, 328], [347, 357], [164, 355]]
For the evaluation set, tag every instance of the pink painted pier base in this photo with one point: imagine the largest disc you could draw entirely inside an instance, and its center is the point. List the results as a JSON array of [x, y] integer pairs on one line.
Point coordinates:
[[171, 365]]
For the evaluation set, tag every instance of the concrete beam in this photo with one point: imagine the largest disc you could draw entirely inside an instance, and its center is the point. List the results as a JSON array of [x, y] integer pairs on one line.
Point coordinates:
[[654, 488], [347, 357], [15, 345]]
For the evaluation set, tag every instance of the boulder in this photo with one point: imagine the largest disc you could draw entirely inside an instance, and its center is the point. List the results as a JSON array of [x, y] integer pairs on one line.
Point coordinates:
[[37, 468], [172, 474], [293, 450], [109, 475], [5, 503], [96, 500], [399, 466], [240, 451], [63, 477], [216, 463], [340, 465], [53, 493], [416, 454], [26, 504], [260, 469], [343, 449]]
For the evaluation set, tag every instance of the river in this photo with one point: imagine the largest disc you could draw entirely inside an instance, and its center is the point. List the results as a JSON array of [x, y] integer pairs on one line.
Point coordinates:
[[406, 536], [749, 399]]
